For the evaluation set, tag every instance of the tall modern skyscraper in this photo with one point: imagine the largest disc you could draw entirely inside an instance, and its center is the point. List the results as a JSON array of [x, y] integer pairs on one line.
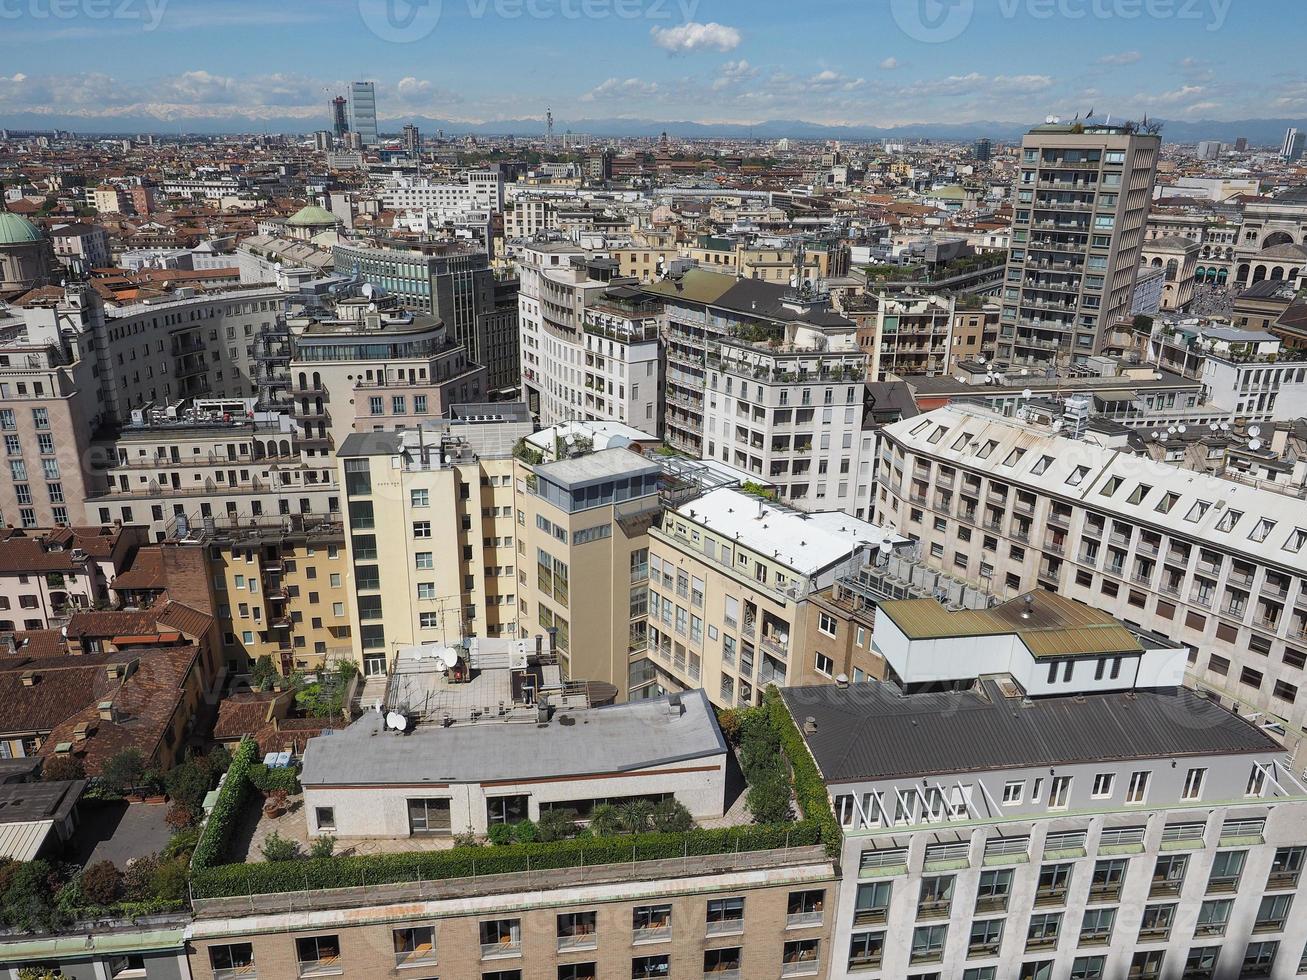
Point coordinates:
[[982, 150], [1293, 145], [363, 111], [1082, 200], [412, 140], [339, 117]]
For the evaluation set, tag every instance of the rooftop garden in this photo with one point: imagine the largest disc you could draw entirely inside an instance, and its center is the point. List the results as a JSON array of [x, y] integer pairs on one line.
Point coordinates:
[[779, 771]]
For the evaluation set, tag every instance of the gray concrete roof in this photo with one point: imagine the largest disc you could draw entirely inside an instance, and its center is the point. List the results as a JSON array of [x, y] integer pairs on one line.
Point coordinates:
[[616, 739], [873, 731], [606, 464]]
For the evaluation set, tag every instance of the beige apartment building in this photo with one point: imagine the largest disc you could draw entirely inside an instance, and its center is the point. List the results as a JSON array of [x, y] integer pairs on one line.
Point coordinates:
[[281, 587], [731, 577], [208, 458], [430, 531], [583, 553]]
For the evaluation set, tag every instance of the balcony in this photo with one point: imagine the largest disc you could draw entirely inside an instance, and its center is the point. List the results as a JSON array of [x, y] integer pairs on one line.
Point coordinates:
[[501, 950], [652, 934], [578, 940], [803, 920], [773, 643], [801, 968]]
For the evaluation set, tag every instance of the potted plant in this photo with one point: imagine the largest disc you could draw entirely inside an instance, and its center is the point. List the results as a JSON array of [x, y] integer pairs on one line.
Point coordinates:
[[274, 804]]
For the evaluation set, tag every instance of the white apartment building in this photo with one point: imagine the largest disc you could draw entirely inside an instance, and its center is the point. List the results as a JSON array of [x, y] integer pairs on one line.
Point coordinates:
[[560, 379], [623, 380], [1148, 834], [787, 406], [1212, 564], [483, 189], [1244, 372]]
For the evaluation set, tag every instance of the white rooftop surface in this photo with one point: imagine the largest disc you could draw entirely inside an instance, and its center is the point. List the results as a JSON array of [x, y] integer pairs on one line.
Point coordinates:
[[602, 465], [601, 433], [1101, 465], [589, 741], [23, 841], [806, 542]]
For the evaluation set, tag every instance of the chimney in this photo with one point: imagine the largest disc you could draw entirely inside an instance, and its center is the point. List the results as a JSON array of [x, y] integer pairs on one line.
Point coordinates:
[[810, 725], [108, 712], [30, 677], [842, 680]]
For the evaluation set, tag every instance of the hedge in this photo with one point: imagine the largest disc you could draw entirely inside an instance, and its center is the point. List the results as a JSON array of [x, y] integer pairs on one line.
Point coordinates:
[[464, 862], [809, 787], [211, 849], [266, 780]]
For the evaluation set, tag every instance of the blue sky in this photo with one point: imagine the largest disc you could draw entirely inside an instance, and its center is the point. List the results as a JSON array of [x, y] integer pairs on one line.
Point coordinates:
[[880, 62]]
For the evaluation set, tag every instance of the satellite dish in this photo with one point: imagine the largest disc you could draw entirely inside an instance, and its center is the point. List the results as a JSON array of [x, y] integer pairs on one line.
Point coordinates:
[[1214, 426], [1027, 394], [1171, 430], [1184, 429], [367, 290], [1254, 430], [1157, 435], [450, 656], [1225, 426], [1255, 445]]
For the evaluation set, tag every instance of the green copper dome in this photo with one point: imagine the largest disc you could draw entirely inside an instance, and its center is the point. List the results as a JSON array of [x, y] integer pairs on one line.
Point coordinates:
[[15, 229], [307, 217]]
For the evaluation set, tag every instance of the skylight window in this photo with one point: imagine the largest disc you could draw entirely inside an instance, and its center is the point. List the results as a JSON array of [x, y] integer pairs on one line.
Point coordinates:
[[1111, 486], [1077, 476], [1168, 501], [1042, 465], [1262, 530], [1198, 511], [1296, 540], [1229, 520], [988, 448], [1014, 457], [938, 434], [1141, 491], [920, 427], [961, 442]]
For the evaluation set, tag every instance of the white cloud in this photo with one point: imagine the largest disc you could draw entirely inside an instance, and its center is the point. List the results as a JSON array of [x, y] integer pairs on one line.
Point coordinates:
[[693, 36], [1021, 83], [1123, 58], [1182, 94], [889, 64], [410, 86], [621, 88]]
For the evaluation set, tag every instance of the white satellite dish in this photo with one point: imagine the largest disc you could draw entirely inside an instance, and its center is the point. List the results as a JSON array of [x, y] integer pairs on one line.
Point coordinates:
[[1214, 426], [1157, 435], [1027, 394], [396, 722], [450, 656], [1184, 429], [367, 290], [1225, 426], [1255, 445], [1254, 430], [1171, 430]]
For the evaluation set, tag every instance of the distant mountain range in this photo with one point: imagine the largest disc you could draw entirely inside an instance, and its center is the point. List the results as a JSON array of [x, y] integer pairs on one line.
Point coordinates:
[[1259, 132]]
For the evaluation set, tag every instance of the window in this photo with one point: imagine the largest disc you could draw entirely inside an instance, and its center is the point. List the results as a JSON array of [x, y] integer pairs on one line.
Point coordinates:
[[419, 498], [993, 891], [577, 971], [421, 529], [871, 905], [325, 817], [647, 967], [825, 665], [424, 560], [1013, 791], [1193, 784], [805, 908], [651, 922], [428, 816], [986, 936], [1213, 916], [1272, 913], [231, 961], [722, 960], [1137, 791], [318, 956], [1103, 783], [415, 945], [1059, 792], [1043, 930], [866, 950], [577, 930], [928, 944], [500, 937], [725, 915], [1096, 926], [1088, 967], [826, 624], [426, 590]]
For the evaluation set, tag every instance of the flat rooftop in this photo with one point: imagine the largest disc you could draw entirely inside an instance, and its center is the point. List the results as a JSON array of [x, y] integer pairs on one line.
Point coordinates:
[[575, 743], [874, 731], [1048, 624], [606, 464], [806, 542]]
